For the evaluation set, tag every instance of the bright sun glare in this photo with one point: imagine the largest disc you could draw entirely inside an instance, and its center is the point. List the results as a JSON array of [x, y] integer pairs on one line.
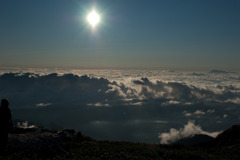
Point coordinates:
[[93, 18]]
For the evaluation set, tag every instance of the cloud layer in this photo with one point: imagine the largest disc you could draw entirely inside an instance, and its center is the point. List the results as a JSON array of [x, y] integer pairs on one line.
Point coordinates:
[[30, 89], [124, 105]]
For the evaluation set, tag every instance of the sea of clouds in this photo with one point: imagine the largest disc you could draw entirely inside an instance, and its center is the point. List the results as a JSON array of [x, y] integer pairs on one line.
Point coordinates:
[[133, 105]]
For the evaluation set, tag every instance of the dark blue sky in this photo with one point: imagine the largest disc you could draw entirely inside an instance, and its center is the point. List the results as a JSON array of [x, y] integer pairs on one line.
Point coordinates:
[[188, 34]]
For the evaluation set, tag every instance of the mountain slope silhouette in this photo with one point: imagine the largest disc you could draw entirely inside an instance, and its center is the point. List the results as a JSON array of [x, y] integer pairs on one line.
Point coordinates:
[[229, 137], [195, 139]]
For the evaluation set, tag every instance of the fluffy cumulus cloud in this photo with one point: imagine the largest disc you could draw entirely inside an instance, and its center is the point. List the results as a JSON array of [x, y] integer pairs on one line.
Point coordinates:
[[35, 90], [25, 125], [199, 112], [236, 100], [29, 89], [188, 130], [181, 93], [43, 104], [98, 105]]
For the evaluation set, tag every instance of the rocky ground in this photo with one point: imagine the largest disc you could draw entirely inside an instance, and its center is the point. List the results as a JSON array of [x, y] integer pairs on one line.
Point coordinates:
[[35, 143]]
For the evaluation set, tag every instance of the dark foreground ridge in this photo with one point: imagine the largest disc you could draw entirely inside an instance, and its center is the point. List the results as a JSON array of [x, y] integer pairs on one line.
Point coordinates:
[[38, 143], [230, 137]]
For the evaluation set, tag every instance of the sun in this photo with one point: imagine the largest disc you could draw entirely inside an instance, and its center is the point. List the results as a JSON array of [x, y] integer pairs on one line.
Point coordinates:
[[93, 18]]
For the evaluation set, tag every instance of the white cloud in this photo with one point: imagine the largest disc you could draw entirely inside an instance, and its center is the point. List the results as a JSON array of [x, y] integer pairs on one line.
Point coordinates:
[[210, 111], [160, 122], [199, 112], [99, 105], [189, 129], [236, 100], [136, 103], [225, 116], [171, 102], [25, 125], [43, 104], [188, 114]]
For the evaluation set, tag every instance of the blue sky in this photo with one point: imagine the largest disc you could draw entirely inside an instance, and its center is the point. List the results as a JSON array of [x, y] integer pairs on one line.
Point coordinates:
[[195, 34]]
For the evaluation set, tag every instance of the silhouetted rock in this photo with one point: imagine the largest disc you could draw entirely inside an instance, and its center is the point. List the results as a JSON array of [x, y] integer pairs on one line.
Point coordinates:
[[40, 137], [229, 137], [219, 72], [68, 144], [195, 139]]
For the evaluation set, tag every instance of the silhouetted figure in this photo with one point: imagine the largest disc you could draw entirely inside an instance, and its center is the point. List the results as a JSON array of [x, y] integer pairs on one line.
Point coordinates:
[[5, 122]]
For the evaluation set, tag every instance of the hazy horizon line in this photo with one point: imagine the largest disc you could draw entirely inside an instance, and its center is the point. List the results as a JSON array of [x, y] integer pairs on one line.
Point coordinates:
[[193, 69]]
